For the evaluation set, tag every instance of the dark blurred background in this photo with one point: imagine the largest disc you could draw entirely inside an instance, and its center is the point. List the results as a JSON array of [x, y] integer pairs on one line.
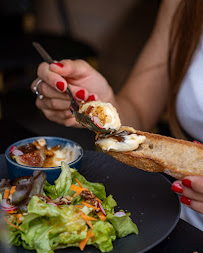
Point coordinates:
[[108, 34]]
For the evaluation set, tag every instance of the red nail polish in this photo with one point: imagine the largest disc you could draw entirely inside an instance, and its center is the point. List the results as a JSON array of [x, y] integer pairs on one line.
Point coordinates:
[[185, 200], [60, 86], [91, 98], [80, 94], [186, 182], [58, 64], [177, 188]]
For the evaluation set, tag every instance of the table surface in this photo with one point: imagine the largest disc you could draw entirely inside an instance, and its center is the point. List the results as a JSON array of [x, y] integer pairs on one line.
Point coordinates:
[[184, 238]]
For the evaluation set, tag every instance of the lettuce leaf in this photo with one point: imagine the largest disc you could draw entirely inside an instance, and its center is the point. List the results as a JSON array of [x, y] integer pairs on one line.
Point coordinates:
[[67, 177], [97, 188], [108, 204], [123, 225], [15, 238], [50, 190], [48, 227], [104, 235], [64, 181]]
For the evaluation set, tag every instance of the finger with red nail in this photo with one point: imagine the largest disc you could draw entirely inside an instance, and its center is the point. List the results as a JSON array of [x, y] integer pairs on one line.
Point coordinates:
[[79, 73], [177, 187], [84, 81], [80, 95], [51, 78], [185, 200], [187, 182], [92, 97], [191, 191]]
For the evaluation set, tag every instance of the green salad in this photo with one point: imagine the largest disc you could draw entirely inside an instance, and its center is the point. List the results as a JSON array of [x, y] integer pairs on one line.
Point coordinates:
[[71, 213]]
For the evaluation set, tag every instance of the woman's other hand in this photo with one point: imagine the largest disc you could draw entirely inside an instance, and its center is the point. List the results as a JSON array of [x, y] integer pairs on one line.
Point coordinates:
[[85, 83], [191, 191]]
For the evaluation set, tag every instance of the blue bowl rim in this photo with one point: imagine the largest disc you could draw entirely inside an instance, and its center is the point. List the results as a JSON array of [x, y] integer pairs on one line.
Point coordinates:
[[42, 137]]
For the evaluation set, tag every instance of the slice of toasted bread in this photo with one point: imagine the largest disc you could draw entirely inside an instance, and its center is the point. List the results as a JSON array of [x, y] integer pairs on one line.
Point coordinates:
[[177, 158]]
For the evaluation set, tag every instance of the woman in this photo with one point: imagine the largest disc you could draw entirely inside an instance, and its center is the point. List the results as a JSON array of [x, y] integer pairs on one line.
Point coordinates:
[[169, 68]]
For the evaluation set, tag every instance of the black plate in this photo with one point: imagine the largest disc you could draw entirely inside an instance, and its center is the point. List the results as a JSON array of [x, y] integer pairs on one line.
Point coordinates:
[[147, 196]]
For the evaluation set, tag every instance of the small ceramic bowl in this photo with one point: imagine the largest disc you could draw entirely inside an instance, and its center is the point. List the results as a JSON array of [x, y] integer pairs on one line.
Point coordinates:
[[16, 170]]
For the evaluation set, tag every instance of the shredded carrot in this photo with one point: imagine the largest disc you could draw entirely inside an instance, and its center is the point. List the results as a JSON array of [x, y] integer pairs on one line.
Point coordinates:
[[90, 206], [79, 183], [19, 215], [83, 243], [6, 193], [12, 211], [79, 206], [10, 223], [13, 188], [99, 200], [89, 224], [76, 188], [86, 217], [101, 216]]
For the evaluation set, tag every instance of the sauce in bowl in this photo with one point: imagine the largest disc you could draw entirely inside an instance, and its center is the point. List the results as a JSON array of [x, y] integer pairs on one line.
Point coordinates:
[[45, 156]]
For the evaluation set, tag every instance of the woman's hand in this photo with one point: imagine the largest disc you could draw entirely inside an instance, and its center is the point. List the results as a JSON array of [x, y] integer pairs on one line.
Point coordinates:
[[85, 83], [191, 191]]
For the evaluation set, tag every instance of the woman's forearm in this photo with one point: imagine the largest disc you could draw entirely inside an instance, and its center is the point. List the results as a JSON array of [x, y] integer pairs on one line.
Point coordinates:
[[143, 98]]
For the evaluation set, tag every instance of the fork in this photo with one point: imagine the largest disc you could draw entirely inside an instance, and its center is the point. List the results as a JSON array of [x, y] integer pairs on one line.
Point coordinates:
[[81, 118]]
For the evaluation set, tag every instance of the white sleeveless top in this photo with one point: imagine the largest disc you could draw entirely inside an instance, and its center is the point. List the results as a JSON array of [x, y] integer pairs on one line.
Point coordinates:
[[189, 111], [189, 105]]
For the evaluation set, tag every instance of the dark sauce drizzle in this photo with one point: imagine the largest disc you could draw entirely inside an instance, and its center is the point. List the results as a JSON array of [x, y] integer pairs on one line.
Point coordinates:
[[119, 136]]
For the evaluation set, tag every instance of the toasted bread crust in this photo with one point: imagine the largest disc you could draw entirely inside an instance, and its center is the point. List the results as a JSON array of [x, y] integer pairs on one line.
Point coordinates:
[[177, 158]]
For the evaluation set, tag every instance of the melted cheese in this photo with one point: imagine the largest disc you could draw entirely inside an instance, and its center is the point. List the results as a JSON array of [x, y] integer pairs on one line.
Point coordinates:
[[128, 142]]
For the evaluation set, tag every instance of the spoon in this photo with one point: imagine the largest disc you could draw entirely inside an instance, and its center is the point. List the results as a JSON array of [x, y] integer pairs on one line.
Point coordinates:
[[81, 118]]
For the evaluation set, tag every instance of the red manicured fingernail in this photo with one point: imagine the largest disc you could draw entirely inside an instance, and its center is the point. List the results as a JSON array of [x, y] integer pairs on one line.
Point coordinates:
[[60, 86], [185, 200], [177, 188], [186, 182], [91, 98], [58, 64], [80, 94]]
